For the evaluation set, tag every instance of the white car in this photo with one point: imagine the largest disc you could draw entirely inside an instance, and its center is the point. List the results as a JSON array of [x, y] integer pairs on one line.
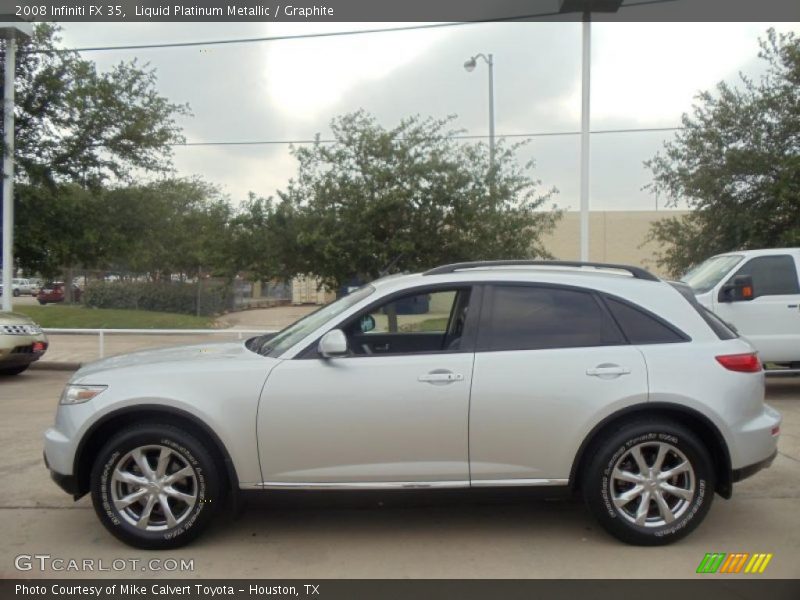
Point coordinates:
[[601, 379], [768, 313], [21, 287]]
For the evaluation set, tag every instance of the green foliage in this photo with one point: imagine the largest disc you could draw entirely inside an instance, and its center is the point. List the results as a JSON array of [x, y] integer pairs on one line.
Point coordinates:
[[73, 317], [406, 198], [736, 164], [74, 124], [170, 226], [169, 297]]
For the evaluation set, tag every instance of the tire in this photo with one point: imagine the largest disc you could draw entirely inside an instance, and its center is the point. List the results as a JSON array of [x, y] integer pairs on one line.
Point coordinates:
[[13, 370], [613, 473], [192, 499], [15, 293], [42, 302]]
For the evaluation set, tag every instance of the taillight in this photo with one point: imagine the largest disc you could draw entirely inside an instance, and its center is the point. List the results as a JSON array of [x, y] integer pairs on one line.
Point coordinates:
[[743, 363]]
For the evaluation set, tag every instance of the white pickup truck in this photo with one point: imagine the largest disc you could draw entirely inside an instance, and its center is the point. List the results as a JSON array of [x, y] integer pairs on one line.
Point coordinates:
[[758, 292]]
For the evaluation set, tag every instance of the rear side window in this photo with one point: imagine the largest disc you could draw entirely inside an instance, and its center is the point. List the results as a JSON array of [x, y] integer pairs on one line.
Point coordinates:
[[535, 318], [640, 327], [772, 275]]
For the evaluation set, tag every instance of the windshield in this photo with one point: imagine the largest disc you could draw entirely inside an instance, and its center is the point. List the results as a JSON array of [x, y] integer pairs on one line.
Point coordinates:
[[276, 345], [706, 275]]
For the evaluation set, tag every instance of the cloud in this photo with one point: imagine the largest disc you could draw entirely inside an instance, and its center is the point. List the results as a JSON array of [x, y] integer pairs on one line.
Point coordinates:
[[644, 75]]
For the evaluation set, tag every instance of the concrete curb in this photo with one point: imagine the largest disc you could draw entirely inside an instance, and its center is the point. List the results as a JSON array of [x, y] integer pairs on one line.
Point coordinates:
[[52, 365]]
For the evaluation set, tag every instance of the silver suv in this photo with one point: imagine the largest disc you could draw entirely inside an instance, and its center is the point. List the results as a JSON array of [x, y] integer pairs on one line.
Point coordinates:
[[602, 379]]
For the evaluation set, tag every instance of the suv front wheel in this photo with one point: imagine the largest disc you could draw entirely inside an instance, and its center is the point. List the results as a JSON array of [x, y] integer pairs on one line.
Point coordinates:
[[650, 482], [155, 486]]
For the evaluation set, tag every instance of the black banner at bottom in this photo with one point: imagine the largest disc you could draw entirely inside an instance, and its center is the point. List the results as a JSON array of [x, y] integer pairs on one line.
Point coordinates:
[[418, 589]]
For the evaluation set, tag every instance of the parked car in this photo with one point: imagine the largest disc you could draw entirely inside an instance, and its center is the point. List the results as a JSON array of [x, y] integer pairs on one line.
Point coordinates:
[[768, 315], [22, 342], [20, 287], [54, 292], [600, 379]]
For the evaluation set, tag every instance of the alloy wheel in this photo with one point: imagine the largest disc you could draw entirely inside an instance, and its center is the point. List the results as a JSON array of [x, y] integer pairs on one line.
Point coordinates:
[[154, 488], [652, 484]]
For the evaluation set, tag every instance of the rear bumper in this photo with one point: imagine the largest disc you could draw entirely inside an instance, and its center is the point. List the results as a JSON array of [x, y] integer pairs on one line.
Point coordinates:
[[18, 350], [750, 470]]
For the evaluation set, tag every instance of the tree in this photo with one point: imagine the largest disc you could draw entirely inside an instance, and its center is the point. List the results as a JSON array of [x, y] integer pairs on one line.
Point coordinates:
[[74, 124], [736, 164], [262, 240], [164, 227], [406, 198], [79, 128]]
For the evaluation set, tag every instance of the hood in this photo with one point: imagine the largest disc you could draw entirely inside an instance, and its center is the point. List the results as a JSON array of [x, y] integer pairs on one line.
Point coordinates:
[[211, 352]]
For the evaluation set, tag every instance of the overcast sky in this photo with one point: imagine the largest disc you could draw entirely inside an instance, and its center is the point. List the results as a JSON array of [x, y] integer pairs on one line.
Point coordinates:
[[643, 75]]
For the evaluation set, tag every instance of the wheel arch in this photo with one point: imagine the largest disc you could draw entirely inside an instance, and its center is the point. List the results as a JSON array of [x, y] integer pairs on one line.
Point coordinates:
[[97, 435], [695, 421]]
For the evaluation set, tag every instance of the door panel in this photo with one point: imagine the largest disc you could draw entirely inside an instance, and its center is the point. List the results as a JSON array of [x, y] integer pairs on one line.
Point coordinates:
[[531, 409], [770, 323], [366, 419]]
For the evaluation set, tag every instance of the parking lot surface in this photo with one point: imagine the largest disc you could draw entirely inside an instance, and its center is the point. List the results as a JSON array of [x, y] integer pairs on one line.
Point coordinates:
[[507, 538]]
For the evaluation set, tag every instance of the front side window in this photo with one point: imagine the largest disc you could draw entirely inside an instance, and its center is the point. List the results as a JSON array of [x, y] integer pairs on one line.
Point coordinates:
[[294, 333], [534, 318], [428, 321], [772, 275]]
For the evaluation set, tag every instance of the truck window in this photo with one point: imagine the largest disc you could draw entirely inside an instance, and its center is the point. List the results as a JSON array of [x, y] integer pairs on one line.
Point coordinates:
[[772, 275], [706, 275]]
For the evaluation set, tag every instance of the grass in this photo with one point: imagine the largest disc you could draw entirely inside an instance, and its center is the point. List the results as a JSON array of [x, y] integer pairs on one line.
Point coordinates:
[[80, 317]]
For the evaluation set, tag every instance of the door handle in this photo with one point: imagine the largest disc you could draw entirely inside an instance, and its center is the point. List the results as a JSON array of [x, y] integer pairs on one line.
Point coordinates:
[[608, 371], [440, 377]]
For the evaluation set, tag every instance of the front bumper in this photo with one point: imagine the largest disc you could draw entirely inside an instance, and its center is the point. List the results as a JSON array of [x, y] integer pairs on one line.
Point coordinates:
[[68, 483]]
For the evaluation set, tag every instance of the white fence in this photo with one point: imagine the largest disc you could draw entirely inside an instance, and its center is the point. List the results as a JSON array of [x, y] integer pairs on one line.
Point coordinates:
[[101, 333]]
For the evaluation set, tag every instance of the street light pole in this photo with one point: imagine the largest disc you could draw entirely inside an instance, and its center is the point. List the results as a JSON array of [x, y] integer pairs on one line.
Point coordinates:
[[586, 7], [470, 66], [8, 171], [586, 80], [11, 31]]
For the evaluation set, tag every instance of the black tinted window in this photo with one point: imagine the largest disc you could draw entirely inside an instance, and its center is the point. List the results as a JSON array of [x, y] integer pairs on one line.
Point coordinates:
[[640, 327], [531, 318], [772, 275]]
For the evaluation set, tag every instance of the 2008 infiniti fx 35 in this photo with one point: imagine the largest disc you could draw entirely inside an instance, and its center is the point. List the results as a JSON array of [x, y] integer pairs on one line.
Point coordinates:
[[602, 378]]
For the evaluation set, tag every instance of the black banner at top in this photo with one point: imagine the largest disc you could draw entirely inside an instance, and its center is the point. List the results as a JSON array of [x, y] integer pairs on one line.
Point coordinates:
[[399, 10]]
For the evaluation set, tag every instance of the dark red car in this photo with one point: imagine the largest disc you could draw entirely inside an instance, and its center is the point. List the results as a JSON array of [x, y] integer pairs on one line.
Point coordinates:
[[54, 292]]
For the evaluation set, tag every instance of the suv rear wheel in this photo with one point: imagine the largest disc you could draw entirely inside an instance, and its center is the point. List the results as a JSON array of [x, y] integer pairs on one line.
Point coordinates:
[[650, 482], [155, 486]]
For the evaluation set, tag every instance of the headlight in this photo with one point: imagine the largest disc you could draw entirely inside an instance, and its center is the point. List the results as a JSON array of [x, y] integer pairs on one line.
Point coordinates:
[[77, 394]]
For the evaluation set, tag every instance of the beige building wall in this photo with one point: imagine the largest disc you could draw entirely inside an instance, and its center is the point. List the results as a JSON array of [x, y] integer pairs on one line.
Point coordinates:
[[614, 237]]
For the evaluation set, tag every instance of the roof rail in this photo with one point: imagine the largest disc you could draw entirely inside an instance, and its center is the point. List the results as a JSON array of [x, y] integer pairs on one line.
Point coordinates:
[[637, 272]]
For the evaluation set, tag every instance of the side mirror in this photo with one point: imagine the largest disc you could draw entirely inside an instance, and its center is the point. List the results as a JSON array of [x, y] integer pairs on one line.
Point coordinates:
[[333, 344], [739, 289], [367, 323]]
